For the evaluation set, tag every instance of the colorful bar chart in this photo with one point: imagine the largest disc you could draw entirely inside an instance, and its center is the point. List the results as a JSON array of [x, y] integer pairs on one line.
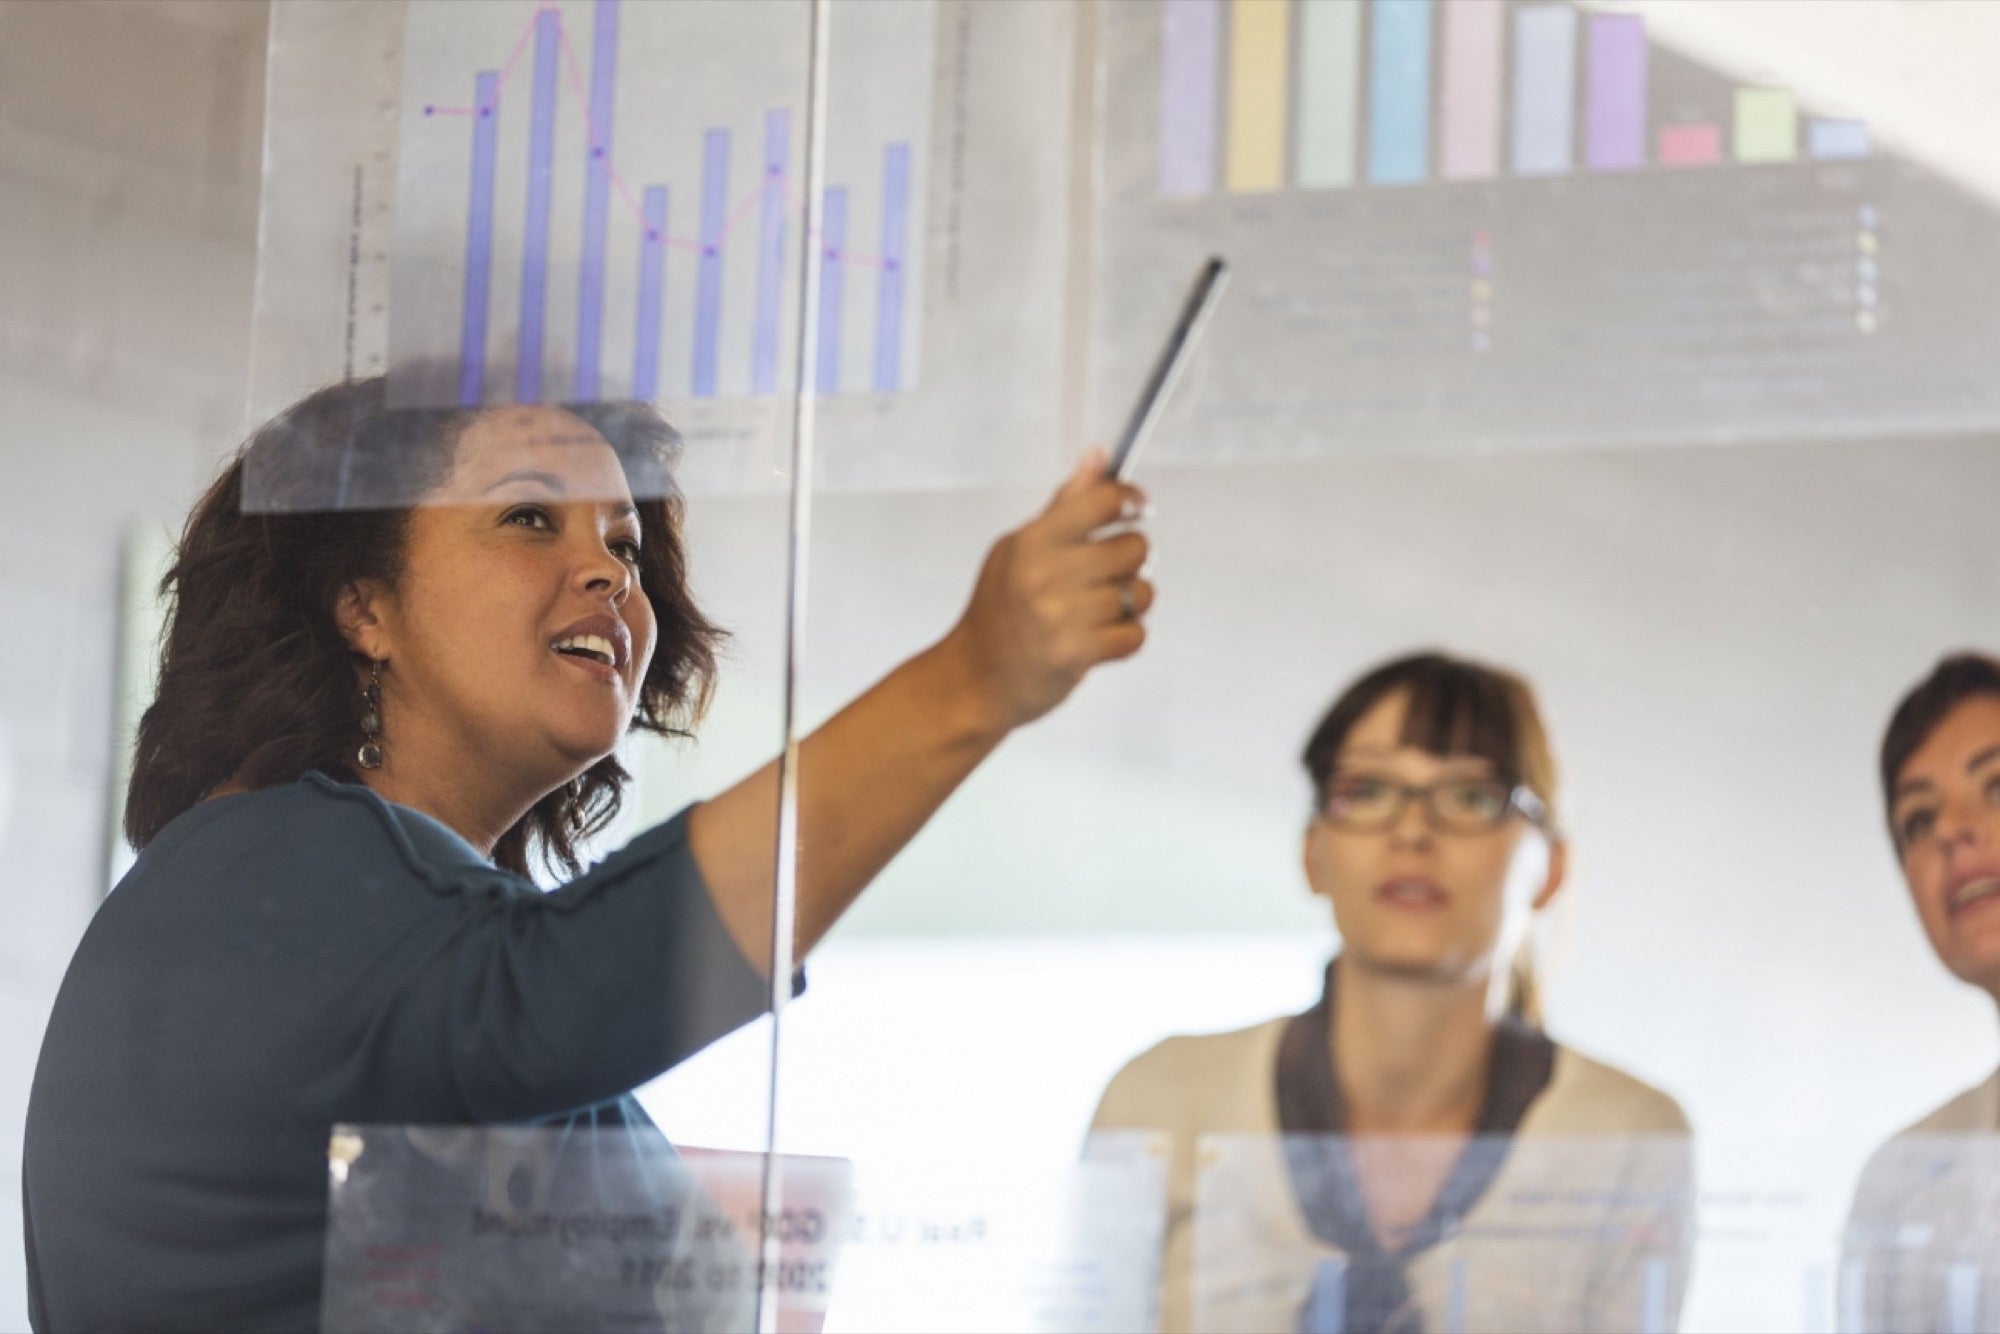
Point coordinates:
[[1257, 96], [554, 226]]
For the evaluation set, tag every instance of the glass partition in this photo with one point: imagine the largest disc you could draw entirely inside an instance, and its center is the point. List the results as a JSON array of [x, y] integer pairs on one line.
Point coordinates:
[[1628, 350], [1473, 907]]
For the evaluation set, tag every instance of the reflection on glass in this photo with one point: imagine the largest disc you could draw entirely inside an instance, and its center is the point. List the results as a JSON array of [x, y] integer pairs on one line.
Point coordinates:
[[531, 1230]]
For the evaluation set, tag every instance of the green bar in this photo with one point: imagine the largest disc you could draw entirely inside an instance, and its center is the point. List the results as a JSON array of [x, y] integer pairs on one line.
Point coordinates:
[[1329, 92], [1767, 125]]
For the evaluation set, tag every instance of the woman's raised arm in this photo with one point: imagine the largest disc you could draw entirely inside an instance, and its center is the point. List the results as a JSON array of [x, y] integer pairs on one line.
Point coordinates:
[[1055, 598]]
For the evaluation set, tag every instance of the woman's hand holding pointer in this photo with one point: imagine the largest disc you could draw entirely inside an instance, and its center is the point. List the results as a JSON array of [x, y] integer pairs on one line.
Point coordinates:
[[1055, 598]]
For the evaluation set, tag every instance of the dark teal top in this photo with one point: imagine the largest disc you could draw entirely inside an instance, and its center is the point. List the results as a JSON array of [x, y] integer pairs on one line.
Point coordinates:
[[279, 961]]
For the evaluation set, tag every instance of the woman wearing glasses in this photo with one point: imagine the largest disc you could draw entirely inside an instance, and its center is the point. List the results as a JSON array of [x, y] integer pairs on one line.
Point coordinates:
[[1399, 1198]]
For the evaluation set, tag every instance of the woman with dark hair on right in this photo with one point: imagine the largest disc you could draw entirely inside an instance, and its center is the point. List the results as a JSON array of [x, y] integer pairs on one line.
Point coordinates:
[[1399, 1199], [1925, 1224]]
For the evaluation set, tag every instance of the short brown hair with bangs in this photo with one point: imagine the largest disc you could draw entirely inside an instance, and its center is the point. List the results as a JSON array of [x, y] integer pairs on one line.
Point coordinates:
[[257, 684], [1454, 707], [1957, 678]]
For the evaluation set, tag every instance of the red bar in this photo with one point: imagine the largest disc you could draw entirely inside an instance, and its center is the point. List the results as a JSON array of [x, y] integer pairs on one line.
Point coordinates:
[[1690, 145]]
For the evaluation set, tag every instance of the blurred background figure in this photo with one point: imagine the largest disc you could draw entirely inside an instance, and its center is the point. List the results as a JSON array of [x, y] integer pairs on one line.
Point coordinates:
[[1433, 839], [1922, 1235]]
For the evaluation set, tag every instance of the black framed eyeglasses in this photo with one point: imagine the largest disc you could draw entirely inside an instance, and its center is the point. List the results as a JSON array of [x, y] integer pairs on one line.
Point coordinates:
[[1368, 801]]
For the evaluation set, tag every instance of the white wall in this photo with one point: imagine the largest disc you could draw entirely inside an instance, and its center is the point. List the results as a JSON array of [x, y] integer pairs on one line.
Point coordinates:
[[128, 154]]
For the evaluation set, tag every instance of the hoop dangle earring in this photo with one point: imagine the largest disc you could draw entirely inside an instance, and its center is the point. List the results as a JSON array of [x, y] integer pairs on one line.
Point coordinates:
[[370, 754]]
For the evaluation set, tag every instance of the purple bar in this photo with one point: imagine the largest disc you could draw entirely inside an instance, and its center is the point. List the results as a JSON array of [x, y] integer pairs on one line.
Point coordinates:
[[535, 241], [652, 287], [833, 240], [708, 279], [478, 241], [596, 192], [1190, 60], [770, 253], [895, 236], [1615, 93]]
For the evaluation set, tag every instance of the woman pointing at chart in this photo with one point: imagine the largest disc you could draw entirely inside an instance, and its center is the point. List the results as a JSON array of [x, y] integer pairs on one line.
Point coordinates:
[[370, 724]]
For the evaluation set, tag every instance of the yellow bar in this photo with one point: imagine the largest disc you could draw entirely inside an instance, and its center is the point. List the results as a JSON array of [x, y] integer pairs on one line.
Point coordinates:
[[1259, 72]]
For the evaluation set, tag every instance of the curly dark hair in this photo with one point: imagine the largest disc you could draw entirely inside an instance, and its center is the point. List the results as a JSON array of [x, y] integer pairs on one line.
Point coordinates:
[[257, 684]]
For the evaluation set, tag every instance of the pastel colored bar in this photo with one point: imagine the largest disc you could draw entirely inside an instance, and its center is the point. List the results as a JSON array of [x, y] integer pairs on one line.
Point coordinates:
[[1615, 93], [652, 293], [1690, 145], [832, 284], [1259, 70], [1767, 125], [1475, 38], [596, 198], [1653, 1298], [708, 276], [1329, 99], [1834, 140], [895, 241], [1544, 126], [1190, 63], [478, 241], [535, 239], [1399, 91], [770, 254]]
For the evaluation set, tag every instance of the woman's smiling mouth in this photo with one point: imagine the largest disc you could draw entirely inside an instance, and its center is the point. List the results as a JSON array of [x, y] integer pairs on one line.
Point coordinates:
[[598, 644]]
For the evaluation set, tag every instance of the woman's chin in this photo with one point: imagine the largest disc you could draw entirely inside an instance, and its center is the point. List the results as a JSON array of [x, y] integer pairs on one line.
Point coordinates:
[[1426, 961], [582, 747]]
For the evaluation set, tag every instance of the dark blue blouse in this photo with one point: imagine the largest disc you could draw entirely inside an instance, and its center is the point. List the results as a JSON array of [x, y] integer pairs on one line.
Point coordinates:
[[279, 961]]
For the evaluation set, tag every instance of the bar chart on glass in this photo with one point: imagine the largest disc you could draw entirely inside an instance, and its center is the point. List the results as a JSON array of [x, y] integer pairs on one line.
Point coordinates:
[[1529, 90], [494, 201], [1442, 204], [594, 200]]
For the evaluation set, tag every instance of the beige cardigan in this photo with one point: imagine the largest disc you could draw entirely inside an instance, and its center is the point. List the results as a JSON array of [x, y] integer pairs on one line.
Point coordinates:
[[1250, 1263], [1925, 1225]]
